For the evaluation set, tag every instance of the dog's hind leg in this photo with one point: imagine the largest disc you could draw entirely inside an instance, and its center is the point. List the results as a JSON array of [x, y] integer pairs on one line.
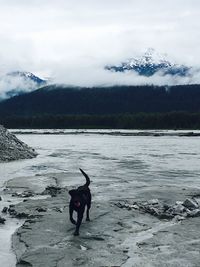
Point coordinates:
[[87, 213], [88, 209]]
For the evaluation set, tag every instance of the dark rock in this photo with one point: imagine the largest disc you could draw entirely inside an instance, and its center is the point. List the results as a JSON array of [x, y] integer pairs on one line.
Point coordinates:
[[23, 263], [11, 211], [24, 194], [98, 238], [58, 209], [41, 209], [22, 215], [5, 189], [5, 209], [119, 205], [165, 216], [0, 198], [165, 207], [2, 220]]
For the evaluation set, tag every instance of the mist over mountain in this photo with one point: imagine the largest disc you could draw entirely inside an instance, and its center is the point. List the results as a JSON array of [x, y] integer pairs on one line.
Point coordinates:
[[27, 75], [150, 68], [19, 82]]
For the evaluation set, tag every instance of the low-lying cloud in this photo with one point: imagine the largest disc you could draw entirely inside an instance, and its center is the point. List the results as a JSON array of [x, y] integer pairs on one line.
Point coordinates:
[[72, 41], [13, 85], [102, 77]]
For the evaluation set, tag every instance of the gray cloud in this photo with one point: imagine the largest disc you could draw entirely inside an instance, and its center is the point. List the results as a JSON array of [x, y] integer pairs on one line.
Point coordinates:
[[72, 41]]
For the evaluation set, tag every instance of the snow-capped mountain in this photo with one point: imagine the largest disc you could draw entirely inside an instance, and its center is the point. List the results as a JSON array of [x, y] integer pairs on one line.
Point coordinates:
[[19, 82], [149, 64], [28, 76]]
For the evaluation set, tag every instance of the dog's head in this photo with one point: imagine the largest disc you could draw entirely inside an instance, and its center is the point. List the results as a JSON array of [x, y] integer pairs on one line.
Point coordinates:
[[75, 197]]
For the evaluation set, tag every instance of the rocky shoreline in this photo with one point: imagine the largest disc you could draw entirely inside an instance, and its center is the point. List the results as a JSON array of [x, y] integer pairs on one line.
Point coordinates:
[[11, 148]]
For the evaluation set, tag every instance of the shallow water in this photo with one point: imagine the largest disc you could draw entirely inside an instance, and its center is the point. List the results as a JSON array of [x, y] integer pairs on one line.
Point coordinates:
[[122, 163], [124, 157]]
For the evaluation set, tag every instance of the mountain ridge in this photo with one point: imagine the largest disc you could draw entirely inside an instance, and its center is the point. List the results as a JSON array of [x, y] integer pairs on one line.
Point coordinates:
[[101, 100]]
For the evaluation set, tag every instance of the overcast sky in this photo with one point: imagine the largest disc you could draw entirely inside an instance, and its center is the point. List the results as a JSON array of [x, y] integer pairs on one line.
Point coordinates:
[[71, 41]]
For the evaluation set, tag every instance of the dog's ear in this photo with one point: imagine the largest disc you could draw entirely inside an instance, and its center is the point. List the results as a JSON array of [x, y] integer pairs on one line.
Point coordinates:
[[72, 192]]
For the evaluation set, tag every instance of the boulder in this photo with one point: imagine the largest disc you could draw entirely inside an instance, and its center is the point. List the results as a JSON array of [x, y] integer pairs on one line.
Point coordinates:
[[190, 204]]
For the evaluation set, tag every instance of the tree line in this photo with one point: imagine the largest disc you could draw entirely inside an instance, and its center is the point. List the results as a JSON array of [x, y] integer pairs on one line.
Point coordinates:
[[170, 120]]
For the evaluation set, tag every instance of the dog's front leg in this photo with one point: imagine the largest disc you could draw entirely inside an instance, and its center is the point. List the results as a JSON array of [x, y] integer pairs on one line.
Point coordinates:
[[71, 214], [79, 220]]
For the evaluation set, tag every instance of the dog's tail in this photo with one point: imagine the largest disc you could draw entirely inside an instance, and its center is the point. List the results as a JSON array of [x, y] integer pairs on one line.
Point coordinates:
[[86, 177]]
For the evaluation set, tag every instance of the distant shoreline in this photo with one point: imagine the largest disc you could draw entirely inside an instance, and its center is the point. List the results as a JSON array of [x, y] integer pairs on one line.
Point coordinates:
[[112, 132]]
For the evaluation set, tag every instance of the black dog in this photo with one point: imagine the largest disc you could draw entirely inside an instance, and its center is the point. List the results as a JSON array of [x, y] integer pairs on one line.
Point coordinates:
[[80, 198]]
